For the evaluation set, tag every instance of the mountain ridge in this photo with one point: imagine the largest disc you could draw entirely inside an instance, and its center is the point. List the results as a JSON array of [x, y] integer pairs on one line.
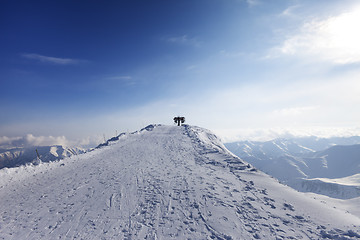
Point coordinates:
[[18, 156], [303, 167], [167, 183]]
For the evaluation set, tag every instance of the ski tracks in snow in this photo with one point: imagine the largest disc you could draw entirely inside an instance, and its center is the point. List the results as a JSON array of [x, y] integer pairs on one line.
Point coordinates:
[[172, 183]]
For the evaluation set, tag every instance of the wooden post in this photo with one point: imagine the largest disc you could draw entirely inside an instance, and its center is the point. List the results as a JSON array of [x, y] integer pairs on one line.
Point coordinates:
[[37, 154]]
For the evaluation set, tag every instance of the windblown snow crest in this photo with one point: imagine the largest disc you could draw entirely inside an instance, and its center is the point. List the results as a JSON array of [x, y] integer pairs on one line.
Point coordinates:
[[164, 182], [208, 145]]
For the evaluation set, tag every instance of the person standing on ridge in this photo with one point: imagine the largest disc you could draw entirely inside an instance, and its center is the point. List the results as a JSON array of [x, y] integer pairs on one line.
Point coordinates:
[[179, 120]]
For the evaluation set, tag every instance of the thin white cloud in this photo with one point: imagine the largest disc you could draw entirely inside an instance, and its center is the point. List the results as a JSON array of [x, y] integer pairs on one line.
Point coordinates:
[[289, 12], [266, 134], [294, 111], [128, 80], [307, 107], [304, 107], [31, 140], [253, 3], [4, 140], [233, 54], [89, 142], [184, 40], [191, 67], [120, 78], [334, 39], [52, 60]]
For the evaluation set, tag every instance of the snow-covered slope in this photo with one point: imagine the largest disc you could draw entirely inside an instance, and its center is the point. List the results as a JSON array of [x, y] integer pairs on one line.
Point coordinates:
[[301, 167], [348, 205], [21, 156], [336, 162], [342, 188], [165, 182], [353, 180]]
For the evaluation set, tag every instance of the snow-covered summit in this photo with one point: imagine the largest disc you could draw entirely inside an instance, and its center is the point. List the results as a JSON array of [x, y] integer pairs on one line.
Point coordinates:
[[165, 182]]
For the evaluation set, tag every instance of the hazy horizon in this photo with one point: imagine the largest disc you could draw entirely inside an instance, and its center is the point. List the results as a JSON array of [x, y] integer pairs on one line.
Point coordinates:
[[72, 72]]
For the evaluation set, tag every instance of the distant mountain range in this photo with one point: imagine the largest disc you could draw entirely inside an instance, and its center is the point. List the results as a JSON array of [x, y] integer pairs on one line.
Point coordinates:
[[20, 156], [17, 156], [308, 164]]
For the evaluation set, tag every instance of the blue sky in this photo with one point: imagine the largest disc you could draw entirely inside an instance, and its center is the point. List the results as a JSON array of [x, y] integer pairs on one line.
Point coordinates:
[[76, 70]]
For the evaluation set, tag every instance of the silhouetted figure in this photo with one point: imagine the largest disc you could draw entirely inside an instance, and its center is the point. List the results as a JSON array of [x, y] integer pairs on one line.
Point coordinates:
[[179, 120]]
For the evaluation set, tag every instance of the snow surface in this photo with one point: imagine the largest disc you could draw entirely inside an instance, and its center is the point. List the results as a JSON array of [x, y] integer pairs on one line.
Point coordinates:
[[353, 180], [343, 188], [348, 205], [324, 172], [328, 188], [164, 182]]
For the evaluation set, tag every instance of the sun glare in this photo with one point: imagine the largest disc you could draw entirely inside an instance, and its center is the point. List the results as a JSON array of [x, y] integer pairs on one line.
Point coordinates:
[[343, 35], [335, 39]]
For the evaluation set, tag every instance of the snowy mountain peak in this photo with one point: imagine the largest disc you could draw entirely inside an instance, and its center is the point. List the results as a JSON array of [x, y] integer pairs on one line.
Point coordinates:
[[21, 156], [165, 182], [304, 168]]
